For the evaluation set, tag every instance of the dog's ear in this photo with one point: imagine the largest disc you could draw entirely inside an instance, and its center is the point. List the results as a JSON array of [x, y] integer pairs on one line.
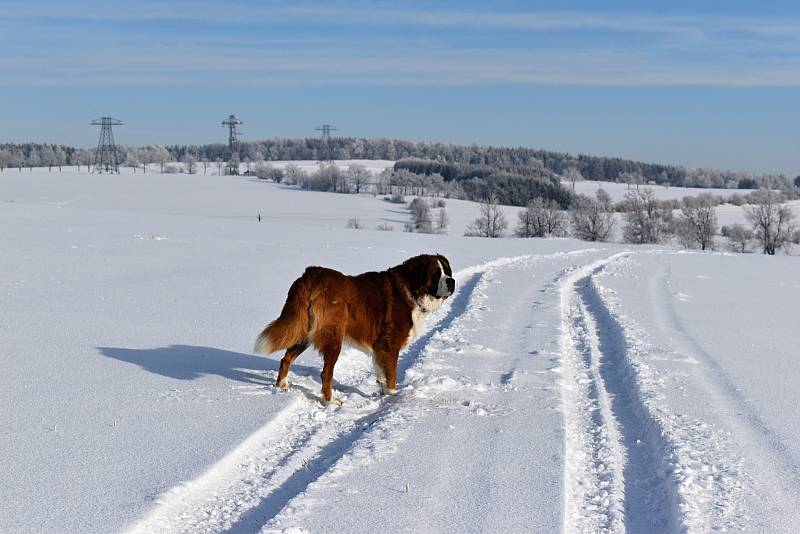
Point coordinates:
[[418, 273], [445, 265]]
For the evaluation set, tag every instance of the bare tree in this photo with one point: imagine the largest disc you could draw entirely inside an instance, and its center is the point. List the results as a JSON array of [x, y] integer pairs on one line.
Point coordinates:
[[772, 221], [490, 223], [189, 162], [592, 218], [541, 219], [632, 178], [421, 215], [739, 237], [573, 175], [294, 175], [358, 176], [697, 224], [646, 221], [442, 221]]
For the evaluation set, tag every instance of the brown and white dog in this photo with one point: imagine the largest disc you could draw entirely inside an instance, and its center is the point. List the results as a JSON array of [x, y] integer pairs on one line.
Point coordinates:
[[377, 312]]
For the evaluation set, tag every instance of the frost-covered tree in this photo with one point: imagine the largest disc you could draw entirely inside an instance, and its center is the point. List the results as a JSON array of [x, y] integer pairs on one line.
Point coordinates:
[[541, 219], [265, 171], [442, 221], [573, 175], [697, 224], [739, 237], [646, 221], [294, 175], [592, 218], [490, 223], [421, 216], [5, 159], [632, 178], [189, 162], [358, 177], [772, 221], [326, 178]]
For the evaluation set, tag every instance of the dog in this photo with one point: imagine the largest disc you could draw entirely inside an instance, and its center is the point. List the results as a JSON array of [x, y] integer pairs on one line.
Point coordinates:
[[379, 313]]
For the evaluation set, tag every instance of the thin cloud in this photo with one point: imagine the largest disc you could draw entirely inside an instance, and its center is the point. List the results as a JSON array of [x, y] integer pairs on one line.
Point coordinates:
[[581, 48]]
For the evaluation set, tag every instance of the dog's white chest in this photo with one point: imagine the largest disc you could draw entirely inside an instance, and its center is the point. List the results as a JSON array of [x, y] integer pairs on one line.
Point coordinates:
[[418, 316], [417, 325]]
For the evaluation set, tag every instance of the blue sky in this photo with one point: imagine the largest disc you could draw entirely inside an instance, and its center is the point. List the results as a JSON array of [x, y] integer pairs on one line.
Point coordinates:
[[699, 84]]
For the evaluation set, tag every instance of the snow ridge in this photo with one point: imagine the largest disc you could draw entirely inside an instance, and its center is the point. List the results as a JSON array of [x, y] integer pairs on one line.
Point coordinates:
[[618, 474]]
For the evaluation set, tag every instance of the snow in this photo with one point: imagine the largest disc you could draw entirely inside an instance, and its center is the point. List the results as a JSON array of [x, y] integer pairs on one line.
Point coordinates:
[[373, 165], [566, 386], [617, 191]]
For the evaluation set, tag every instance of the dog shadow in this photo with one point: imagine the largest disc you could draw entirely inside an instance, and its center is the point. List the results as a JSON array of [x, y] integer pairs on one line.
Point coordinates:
[[190, 362]]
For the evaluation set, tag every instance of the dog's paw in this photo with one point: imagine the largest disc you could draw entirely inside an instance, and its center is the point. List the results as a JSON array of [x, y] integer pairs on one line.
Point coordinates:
[[386, 390], [333, 402], [282, 385]]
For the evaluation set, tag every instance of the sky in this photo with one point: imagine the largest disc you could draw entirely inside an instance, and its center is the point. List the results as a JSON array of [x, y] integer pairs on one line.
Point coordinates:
[[700, 84]]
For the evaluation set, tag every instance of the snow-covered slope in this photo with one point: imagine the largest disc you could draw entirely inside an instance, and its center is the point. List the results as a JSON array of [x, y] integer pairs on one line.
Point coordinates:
[[564, 387], [617, 190]]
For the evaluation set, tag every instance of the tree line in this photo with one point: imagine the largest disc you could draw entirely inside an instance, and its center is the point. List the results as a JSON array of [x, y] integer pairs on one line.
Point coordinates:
[[647, 220], [517, 161]]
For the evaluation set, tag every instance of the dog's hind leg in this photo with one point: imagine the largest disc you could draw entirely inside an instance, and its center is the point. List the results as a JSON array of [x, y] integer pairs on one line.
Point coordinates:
[[329, 343], [286, 362]]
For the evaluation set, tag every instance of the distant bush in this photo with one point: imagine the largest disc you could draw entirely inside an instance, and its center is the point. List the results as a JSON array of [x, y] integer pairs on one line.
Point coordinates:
[[442, 221], [739, 237], [294, 175], [265, 171], [541, 219], [736, 199], [354, 224], [592, 218], [172, 168], [646, 220], [747, 183], [327, 178], [395, 199], [490, 223], [385, 227], [421, 215]]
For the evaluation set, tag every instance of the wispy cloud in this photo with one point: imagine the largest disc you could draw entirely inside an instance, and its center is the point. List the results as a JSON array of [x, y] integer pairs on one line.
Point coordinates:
[[309, 44]]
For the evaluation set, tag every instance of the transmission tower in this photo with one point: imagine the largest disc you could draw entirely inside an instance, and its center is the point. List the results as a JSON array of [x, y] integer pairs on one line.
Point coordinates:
[[106, 157], [325, 152], [233, 135]]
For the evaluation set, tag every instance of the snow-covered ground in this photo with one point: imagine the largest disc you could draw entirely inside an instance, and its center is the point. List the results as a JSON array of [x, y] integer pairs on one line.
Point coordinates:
[[617, 190], [373, 165], [566, 386]]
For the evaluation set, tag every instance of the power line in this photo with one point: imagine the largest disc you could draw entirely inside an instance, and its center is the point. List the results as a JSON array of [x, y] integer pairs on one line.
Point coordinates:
[[106, 157]]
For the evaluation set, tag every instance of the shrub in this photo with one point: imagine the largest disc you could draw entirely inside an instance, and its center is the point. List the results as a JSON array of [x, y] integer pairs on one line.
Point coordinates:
[[354, 224]]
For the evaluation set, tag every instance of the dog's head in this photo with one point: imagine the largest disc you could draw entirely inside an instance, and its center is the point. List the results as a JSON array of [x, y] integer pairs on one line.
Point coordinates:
[[429, 278]]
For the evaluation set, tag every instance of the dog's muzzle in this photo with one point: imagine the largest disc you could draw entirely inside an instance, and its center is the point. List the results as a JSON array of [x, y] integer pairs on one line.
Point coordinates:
[[447, 285]]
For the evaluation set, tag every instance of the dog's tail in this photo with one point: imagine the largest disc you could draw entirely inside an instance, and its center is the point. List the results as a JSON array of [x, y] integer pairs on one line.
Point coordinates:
[[292, 327]]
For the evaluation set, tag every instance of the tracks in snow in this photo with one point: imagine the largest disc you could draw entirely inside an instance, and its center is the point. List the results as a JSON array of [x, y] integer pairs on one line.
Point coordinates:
[[262, 475], [618, 474], [617, 468]]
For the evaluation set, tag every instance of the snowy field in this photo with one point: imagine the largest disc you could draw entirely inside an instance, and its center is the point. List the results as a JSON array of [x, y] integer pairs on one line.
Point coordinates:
[[617, 190], [565, 387]]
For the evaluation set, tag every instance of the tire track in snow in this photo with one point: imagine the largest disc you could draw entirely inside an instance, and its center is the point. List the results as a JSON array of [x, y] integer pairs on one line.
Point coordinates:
[[276, 463], [618, 475]]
